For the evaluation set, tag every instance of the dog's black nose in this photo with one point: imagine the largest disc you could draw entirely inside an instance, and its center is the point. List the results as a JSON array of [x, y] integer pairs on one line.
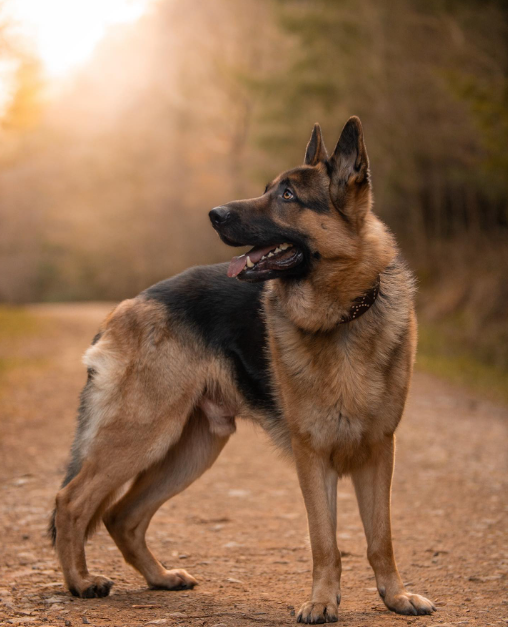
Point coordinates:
[[219, 216]]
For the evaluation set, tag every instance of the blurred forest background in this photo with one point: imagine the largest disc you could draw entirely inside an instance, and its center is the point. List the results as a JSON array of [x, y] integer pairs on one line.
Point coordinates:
[[106, 180]]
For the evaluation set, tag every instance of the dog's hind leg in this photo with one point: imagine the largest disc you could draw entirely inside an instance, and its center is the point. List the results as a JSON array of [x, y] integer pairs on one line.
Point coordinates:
[[116, 456], [128, 520], [76, 505], [131, 424], [144, 384]]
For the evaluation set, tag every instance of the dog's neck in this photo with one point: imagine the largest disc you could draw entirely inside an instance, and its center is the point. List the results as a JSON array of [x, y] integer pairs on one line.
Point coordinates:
[[336, 292], [362, 303]]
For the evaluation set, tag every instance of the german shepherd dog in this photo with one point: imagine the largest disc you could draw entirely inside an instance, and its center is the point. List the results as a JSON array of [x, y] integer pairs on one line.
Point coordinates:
[[315, 342]]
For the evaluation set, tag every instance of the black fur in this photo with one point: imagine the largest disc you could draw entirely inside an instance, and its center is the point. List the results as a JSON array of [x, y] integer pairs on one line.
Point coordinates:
[[246, 229], [317, 205], [260, 230], [52, 527], [348, 141], [227, 315], [318, 202]]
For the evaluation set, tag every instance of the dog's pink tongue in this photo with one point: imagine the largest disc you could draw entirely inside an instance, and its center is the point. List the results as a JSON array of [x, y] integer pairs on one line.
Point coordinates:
[[237, 264]]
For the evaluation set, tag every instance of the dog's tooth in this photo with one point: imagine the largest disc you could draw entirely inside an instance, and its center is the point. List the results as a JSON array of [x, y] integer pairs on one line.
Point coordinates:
[[284, 246], [249, 263], [270, 254], [277, 250]]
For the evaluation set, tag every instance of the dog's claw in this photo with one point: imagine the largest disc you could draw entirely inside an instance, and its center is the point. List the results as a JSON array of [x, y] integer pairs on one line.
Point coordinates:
[[315, 613], [99, 588], [410, 604], [177, 579]]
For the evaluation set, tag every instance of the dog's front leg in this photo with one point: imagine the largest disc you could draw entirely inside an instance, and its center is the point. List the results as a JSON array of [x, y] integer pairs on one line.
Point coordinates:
[[318, 482], [373, 489]]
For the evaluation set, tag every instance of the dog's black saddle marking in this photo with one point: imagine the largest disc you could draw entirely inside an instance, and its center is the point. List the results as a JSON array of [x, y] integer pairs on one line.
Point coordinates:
[[227, 315]]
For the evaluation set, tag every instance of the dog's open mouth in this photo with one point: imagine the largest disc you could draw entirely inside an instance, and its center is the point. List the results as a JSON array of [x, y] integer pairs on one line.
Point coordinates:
[[263, 261]]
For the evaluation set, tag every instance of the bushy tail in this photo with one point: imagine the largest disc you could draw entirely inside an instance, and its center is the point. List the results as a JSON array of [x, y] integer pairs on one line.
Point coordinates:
[[72, 470], [76, 458], [52, 528]]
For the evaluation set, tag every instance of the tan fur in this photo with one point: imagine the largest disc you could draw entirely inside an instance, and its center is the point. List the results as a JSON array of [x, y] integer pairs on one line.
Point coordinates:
[[164, 406], [148, 386], [128, 520], [349, 266]]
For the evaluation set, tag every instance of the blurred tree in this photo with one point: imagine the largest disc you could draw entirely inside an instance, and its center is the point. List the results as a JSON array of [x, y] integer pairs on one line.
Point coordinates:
[[20, 198], [106, 188], [430, 78], [25, 107]]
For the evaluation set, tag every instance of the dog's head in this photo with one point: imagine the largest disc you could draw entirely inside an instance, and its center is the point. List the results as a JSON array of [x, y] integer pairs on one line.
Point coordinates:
[[306, 215]]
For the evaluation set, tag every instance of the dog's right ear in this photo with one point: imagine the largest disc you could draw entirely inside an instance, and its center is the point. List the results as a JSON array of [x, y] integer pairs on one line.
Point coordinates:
[[316, 150], [350, 189]]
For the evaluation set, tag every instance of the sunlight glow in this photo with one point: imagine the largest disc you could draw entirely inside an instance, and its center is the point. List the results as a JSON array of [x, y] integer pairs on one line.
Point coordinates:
[[64, 33]]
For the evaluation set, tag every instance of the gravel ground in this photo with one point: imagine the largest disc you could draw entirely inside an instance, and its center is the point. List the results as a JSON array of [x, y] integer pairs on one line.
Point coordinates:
[[241, 529]]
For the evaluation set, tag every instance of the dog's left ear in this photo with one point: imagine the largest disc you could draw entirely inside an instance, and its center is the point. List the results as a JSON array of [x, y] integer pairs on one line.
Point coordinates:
[[316, 150], [350, 189]]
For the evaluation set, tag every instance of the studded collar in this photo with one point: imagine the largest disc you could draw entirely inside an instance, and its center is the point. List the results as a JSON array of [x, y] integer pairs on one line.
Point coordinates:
[[362, 304]]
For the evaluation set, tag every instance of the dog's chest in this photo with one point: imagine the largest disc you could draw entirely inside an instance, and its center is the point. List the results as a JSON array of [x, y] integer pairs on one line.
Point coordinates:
[[330, 389]]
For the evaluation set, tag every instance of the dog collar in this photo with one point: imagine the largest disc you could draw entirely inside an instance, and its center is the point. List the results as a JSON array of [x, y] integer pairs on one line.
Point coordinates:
[[363, 303]]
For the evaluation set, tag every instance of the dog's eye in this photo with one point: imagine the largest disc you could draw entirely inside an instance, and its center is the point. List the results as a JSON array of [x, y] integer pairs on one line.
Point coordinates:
[[288, 194]]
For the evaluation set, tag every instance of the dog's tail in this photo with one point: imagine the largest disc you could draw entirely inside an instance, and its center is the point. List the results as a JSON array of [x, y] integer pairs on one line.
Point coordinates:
[[72, 471], [76, 451], [52, 527]]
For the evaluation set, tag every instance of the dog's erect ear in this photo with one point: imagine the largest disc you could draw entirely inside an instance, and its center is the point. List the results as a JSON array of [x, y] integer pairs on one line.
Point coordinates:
[[316, 150], [349, 172]]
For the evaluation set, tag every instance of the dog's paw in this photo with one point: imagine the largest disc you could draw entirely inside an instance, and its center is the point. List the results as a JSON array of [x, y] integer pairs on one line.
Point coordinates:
[[410, 604], [313, 612], [93, 588], [177, 579]]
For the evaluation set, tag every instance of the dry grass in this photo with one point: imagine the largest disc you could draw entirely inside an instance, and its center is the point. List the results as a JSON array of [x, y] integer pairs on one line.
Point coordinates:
[[453, 361], [19, 328]]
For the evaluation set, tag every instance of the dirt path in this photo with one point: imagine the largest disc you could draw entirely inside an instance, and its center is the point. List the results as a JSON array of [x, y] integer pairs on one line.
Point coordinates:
[[241, 529]]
